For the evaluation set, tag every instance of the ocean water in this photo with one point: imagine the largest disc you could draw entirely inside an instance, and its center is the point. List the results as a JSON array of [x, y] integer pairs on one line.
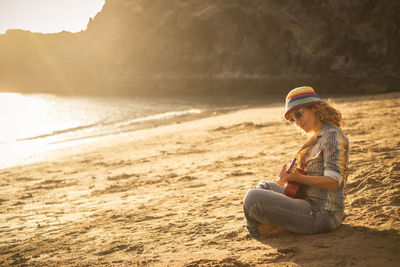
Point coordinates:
[[34, 123]]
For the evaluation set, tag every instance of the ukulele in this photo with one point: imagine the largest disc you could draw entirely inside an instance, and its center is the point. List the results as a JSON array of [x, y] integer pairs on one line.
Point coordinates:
[[292, 187]]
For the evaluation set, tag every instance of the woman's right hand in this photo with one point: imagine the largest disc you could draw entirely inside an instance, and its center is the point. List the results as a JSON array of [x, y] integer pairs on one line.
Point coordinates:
[[282, 181]]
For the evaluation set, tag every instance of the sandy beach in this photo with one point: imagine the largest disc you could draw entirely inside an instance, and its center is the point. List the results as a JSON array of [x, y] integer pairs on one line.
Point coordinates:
[[173, 195]]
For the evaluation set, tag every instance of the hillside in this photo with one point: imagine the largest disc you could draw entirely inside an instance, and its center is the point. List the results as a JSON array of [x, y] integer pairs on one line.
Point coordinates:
[[212, 46]]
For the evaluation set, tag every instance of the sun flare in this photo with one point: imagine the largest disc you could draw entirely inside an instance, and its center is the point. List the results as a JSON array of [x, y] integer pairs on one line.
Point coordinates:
[[22, 116]]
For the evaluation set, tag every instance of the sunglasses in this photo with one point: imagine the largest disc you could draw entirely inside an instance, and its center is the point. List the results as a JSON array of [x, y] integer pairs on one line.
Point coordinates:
[[296, 116]]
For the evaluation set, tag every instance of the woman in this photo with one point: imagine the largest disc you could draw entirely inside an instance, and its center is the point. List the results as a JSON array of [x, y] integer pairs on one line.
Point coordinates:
[[323, 159]]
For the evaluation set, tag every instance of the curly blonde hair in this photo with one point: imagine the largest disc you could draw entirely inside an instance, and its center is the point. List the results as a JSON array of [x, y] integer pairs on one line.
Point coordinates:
[[327, 113]]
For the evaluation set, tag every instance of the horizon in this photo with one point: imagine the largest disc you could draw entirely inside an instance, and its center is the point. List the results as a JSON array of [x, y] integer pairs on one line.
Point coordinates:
[[44, 16]]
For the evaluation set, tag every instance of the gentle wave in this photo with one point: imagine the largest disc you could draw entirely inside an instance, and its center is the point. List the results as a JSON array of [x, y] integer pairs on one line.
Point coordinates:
[[100, 129], [56, 132], [160, 116]]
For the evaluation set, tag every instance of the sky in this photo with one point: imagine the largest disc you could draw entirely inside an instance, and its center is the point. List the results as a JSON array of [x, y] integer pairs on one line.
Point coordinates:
[[47, 16]]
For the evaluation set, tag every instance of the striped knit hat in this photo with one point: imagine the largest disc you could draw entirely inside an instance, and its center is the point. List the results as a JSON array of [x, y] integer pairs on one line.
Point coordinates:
[[300, 97]]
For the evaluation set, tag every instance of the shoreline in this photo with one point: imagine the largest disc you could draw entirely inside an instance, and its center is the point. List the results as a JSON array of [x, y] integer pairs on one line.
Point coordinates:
[[34, 147], [172, 195], [60, 147], [52, 149], [55, 149]]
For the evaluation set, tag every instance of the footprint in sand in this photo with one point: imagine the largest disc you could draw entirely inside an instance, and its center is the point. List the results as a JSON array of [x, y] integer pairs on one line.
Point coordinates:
[[196, 185], [293, 250], [53, 184], [229, 235], [240, 173], [224, 262], [122, 176], [139, 249], [24, 179], [26, 196], [111, 250]]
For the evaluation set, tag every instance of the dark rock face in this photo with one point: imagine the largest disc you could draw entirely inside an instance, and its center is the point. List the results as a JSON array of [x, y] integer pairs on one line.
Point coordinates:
[[213, 46]]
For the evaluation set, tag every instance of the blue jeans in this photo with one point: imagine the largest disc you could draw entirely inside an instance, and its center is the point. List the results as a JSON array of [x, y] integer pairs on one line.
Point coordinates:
[[267, 204]]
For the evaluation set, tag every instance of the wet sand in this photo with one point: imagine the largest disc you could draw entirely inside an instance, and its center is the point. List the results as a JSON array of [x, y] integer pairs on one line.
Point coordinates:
[[172, 195]]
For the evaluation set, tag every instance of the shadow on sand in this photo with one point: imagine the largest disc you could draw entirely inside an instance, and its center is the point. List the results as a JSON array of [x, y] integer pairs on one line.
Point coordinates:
[[349, 245]]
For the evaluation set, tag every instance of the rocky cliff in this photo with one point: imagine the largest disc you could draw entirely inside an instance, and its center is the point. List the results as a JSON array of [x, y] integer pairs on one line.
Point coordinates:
[[213, 46]]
